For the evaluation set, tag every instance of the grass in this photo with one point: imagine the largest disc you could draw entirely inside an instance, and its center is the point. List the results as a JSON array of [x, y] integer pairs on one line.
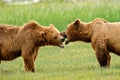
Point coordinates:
[[60, 14], [77, 60]]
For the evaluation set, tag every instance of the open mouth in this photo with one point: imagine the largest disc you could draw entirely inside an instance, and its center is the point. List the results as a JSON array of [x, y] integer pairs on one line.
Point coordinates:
[[61, 43], [65, 37], [67, 41], [61, 46]]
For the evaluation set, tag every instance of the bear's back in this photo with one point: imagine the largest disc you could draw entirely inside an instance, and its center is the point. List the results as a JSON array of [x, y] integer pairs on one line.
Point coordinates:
[[7, 34], [8, 30]]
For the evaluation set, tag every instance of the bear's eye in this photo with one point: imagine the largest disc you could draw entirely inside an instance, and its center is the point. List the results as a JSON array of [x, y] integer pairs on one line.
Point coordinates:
[[55, 37]]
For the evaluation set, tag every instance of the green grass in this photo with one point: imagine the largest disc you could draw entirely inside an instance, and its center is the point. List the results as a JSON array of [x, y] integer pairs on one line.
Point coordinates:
[[60, 14], [77, 60]]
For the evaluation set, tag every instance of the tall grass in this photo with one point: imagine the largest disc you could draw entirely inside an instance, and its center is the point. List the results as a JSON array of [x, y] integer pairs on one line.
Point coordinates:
[[77, 61], [60, 14]]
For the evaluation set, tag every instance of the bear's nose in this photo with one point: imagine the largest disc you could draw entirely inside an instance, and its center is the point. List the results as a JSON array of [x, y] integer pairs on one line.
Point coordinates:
[[63, 34]]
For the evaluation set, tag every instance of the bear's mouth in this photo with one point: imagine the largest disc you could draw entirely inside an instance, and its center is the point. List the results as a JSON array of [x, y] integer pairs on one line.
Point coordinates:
[[63, 34], [65, 37], [61, 45], [67, 41]]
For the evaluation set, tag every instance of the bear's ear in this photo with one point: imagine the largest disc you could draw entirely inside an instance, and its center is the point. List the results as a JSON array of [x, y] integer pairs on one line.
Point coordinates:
[[42, 33], [77, 22], [51, 26]]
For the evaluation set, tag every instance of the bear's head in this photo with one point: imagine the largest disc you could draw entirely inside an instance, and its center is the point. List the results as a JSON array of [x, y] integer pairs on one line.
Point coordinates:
[[53, 36], [77, 31], [41, 35]]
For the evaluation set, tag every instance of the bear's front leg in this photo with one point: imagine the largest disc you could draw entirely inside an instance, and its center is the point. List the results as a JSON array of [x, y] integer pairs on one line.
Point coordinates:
[[103, 58], [28, 62], [102, 54], [35, 53]]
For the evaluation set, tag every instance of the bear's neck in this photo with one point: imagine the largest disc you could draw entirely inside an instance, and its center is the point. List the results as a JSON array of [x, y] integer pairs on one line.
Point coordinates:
[[43, 40], [86, 34]]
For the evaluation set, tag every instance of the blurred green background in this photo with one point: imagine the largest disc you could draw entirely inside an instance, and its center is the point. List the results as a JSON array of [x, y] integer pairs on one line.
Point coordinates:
[[59, 12]]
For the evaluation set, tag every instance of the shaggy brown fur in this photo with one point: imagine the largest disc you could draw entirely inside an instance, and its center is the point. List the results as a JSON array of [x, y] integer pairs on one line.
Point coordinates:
[[26, 41], [104, 37]]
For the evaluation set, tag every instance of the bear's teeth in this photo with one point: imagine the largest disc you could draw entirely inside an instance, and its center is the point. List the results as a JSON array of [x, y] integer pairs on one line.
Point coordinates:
[[66, 42]]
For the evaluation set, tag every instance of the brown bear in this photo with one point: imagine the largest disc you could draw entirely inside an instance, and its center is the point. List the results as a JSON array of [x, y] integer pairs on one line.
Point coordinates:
[[103, 36], [26, 40]]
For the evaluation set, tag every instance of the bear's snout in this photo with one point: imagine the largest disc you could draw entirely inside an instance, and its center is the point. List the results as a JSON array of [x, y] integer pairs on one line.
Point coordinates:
[[63, 34], [63, 39], [66, 42]]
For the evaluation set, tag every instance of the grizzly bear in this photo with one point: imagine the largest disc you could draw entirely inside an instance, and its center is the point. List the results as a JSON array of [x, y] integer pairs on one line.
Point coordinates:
[[25, 41], [103, 36]]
